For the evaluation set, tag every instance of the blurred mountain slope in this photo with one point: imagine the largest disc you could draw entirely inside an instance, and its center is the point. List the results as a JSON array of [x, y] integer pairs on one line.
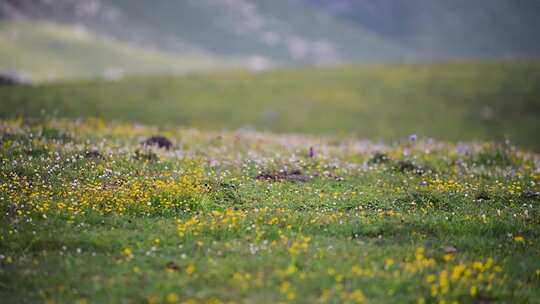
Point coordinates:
[[288, 31], [260, 33], [50, 51], [448, 29]]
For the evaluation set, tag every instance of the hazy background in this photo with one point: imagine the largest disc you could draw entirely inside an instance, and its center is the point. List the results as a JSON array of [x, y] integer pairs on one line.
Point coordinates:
[[48, 39], [455, 70]]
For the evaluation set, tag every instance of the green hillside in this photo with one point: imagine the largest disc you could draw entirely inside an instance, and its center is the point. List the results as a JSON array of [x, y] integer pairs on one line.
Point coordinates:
[[47, 50], [453, 101], [240, 28], [447, 29], [308, 31], [285, 31]]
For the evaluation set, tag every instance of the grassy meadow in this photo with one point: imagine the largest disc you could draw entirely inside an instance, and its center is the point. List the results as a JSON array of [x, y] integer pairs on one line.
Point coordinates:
[[270, 191], [446, 101]]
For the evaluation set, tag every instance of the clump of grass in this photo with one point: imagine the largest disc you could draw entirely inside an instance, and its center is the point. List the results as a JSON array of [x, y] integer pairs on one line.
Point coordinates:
[[379, 158], [427, 199], [494, 155]]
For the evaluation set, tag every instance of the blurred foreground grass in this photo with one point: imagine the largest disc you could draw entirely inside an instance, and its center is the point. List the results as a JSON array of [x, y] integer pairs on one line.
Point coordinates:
[[449, 101]]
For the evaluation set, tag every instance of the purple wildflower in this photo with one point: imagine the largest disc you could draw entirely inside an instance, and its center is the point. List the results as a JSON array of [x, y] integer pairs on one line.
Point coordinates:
[[311, 152]]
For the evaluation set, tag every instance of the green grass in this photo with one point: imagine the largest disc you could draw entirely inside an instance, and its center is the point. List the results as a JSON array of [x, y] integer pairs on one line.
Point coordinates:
[[413, 222], [89, 215], [447, 101]]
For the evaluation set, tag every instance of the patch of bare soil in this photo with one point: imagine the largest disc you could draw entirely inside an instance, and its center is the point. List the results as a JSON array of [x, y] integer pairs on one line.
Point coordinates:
[[291, 176]]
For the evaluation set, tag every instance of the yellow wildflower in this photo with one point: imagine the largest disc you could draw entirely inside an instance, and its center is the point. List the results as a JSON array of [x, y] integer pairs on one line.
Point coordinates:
[[519, 239], [190, 269], [172, 297]]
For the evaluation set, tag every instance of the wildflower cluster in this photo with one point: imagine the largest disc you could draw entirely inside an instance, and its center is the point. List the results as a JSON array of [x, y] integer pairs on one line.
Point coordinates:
[[475, 280]]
